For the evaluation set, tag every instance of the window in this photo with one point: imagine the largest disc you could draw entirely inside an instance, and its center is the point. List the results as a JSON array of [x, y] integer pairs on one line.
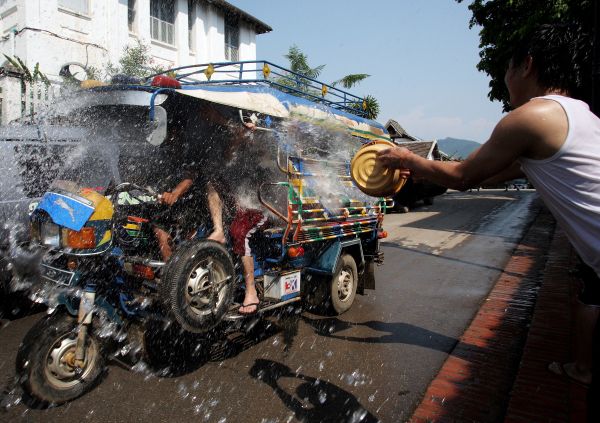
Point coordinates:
[[191, 23], [81, 7], [131, 15], [162, 21], [232, 40]]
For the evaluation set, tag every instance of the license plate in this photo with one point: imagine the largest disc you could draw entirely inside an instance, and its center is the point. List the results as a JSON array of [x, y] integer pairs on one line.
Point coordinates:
[[59, 276], [282, 286]]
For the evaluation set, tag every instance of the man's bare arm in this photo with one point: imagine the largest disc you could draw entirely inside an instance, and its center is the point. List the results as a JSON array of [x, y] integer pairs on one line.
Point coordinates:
[[512, 138], [508, 174]]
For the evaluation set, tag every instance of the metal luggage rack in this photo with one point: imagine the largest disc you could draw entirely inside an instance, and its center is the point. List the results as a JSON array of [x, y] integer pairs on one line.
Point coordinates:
[[308, 220], [262, 72]]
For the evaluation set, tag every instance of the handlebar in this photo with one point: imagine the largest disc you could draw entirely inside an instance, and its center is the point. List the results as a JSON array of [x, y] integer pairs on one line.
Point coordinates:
[[130, 185]]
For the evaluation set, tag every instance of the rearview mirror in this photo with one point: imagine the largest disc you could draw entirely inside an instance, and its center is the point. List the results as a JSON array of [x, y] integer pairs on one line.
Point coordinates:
[[159, 126]]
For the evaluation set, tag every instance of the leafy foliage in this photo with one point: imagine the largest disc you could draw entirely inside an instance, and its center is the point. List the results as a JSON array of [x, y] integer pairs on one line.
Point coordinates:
[[28, 75], [372, 107], [351, 80], [504, 22], [136, 61], [299, 64]]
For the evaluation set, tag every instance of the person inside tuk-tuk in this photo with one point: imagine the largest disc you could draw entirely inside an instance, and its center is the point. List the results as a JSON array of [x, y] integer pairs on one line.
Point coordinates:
[[212, 169], [239, 179], [240, 175], [194, 200]]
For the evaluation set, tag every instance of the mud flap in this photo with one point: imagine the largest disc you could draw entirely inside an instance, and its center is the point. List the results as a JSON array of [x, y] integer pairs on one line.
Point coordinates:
[[367, 277]]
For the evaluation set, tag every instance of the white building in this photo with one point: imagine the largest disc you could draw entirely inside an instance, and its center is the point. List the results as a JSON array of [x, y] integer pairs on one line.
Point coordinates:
[[95, 32]]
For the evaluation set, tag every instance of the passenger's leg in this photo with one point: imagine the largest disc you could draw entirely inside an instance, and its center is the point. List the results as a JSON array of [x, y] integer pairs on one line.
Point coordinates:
[[215, 206], [245, 224], [164, 243], [251, 301]]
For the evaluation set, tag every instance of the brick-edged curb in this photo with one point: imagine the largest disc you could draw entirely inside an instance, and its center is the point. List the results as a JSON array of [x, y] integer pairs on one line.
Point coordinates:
[[538, 395], [474, 383]]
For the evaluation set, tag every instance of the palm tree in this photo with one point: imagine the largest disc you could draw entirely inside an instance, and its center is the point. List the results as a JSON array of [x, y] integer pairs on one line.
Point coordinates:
[[299, 64]]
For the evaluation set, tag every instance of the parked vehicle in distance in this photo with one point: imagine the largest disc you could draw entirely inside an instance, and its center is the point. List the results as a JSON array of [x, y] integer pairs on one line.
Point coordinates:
[[416, 189], [30, 158]]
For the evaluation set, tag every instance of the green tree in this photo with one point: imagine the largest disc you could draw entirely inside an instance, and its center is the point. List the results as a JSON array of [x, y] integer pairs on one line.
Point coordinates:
[[299, 64], [136, 61], [504, 22]]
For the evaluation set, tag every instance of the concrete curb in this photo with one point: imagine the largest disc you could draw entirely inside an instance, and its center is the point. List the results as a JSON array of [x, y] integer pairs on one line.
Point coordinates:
[[475, 382]]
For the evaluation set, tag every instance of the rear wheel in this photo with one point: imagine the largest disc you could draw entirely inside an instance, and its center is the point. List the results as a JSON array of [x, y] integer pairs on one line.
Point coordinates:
[[343, 284], [197, 285], [46, 361]]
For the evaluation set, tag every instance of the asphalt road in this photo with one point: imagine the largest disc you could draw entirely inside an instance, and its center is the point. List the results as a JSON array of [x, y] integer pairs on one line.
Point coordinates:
[[371, 364]]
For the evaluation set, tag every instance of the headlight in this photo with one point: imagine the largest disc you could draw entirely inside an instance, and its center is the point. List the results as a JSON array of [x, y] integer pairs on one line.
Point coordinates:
[[49, 234], [83, 239]]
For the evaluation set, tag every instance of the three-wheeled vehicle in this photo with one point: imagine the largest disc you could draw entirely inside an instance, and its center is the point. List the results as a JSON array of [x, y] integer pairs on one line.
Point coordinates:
[[103, 278]]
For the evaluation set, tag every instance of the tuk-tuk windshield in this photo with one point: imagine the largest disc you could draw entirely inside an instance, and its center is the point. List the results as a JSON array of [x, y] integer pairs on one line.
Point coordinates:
[[114, 148], [86, 167]]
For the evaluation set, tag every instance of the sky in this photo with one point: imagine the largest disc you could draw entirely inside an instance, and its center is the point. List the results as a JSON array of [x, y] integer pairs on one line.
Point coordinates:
[[421, 56]]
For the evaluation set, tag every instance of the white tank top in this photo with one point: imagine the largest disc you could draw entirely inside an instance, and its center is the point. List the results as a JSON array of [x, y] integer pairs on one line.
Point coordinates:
[[569, 181]]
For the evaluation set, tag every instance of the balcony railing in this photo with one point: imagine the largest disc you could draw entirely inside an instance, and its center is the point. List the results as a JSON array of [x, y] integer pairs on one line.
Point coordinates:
[[162, 31]]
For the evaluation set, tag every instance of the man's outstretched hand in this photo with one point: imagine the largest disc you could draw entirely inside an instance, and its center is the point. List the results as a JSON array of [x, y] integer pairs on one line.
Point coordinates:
[[168, 198], [394, 158]]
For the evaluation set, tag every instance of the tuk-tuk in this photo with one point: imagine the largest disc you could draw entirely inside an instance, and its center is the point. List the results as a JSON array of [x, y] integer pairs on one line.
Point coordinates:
[[101, 267]]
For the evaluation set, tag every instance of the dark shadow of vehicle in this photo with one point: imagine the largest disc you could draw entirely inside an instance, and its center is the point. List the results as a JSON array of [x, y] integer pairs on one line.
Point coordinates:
[[414, 191], [172, 352], [391, 333], [314, 400]]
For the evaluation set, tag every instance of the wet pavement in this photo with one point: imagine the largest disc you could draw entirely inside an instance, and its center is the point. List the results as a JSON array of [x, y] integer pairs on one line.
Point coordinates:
[[525, 323], [373, 363]]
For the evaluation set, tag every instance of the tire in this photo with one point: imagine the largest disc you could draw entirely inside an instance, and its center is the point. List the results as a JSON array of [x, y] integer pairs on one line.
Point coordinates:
[[401, 208], [186, 287], [343, 284], [42, 371]]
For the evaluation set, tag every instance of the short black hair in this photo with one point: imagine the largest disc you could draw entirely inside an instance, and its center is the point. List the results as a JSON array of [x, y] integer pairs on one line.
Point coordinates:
[[561, 53]]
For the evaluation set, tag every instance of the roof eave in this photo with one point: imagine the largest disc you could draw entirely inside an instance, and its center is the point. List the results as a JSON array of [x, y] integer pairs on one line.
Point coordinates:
[[259, 26]]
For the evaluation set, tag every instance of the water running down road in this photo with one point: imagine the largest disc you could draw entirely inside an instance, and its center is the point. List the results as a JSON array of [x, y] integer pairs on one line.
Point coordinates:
[[373, 363]]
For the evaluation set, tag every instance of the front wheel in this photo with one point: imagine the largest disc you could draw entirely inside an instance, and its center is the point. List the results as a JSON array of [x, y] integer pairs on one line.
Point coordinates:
[[45, 361], [198, 285]]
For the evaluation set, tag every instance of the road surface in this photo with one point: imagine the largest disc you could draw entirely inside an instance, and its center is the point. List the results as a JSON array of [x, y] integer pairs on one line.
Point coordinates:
[[371, 364]]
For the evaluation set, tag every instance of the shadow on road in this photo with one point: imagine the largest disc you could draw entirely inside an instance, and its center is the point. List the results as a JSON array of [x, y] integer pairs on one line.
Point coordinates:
[[313, 400], [393, 333], [171, 352]]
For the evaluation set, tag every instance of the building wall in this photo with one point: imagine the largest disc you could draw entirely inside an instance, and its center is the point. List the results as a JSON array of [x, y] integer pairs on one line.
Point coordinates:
[[54, 36]]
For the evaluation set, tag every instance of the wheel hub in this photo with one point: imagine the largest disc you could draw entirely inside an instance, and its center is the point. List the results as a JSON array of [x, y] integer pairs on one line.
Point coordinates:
[[199, 279], [204, 291], [61, 369], [344, 285]]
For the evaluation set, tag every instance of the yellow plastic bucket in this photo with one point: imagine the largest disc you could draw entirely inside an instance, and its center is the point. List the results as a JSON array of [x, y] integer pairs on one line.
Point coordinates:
[[370, 176]]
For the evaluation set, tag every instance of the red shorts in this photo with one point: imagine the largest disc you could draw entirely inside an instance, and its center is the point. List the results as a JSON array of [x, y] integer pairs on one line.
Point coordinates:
[[244, 225]]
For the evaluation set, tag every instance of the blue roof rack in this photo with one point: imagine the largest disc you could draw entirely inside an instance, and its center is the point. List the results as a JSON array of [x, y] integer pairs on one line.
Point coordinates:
[[266, 73]]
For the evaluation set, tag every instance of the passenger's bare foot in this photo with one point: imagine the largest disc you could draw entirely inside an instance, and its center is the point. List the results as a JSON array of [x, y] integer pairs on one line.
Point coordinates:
[[250, 304], [218, 236]]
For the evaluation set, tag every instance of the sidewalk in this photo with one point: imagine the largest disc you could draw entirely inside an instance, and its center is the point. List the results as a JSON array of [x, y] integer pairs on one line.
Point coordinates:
[[523, 325]]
